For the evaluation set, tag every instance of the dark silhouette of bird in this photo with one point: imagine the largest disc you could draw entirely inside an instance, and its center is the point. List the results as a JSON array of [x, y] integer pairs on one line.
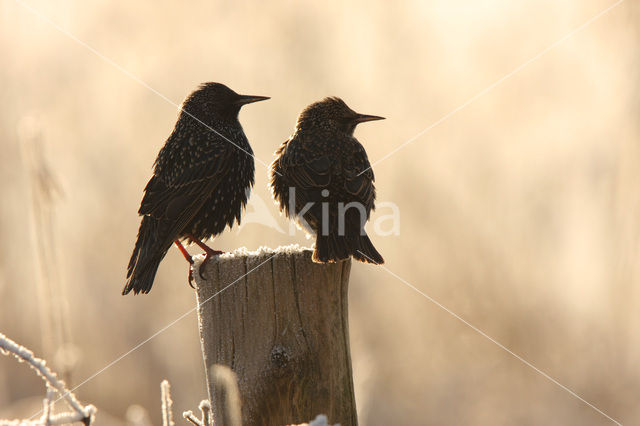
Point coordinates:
[[200, 183], [322, 178]]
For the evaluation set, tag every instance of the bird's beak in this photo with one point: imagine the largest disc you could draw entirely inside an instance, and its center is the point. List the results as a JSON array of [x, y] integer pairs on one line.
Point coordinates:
[[248, 99], [361, 118]]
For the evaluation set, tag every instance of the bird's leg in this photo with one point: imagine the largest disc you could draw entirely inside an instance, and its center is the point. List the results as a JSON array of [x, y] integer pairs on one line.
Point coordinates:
[[209, 252], [184, 251], [187, 256]]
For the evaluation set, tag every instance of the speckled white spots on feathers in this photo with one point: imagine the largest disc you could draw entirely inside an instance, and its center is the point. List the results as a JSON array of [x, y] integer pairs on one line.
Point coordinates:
[[199, 184]]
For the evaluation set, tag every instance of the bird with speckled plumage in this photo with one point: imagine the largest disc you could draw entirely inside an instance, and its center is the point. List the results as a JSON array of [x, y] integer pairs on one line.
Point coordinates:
[[322, 178], [200, 183]]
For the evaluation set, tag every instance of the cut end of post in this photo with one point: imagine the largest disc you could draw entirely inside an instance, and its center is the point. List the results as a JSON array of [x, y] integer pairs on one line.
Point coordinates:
[[243, 252]]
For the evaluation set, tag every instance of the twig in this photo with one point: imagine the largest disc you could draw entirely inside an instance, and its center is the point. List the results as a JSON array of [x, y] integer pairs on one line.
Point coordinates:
[[167, 404], [81, 413], [45, 192], [205, 409], [48, 406], [189, 416]]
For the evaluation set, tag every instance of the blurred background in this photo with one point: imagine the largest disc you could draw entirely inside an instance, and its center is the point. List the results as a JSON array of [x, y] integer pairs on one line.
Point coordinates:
[[520, 212]]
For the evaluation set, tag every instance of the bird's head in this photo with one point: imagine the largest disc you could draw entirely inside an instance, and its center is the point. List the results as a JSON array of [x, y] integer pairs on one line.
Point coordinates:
[[215, 101], [332, 114]]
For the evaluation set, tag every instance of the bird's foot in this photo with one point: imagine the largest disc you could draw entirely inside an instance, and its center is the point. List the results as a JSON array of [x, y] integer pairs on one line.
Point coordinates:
[[208, 253]]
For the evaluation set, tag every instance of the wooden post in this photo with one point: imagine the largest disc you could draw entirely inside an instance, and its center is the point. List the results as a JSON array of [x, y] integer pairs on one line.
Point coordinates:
[[279, 321]]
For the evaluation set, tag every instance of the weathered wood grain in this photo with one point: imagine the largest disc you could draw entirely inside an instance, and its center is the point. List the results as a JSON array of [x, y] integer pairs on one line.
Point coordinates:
[[279, 321]]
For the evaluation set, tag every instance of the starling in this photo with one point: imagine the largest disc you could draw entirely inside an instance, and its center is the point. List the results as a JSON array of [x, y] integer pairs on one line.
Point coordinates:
[[200, 183], [322, 178]]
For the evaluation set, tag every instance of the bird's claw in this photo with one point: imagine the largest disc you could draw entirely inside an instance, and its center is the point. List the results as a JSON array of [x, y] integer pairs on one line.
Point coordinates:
[[208, 255], [191, 278]]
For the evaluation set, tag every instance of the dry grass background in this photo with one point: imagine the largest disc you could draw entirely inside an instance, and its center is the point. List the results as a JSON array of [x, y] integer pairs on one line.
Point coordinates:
[[521, 212]]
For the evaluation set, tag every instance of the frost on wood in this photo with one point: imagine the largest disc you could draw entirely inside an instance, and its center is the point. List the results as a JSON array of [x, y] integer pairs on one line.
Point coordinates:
[[243, 252], [80, 413]]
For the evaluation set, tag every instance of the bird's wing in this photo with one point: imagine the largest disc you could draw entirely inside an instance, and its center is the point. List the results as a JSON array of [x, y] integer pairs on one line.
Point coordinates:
[[359, 178], [307, 169], [302, 169], [315, 170], [181, 185]]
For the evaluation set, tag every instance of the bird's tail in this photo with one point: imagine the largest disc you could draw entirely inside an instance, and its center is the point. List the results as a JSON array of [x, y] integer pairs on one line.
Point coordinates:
[[145, 259], [333, 248], [364, 251]]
